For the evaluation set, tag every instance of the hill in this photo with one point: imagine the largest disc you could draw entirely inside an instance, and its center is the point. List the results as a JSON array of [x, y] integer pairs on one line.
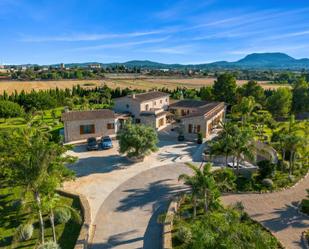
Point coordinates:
[[276, 61]]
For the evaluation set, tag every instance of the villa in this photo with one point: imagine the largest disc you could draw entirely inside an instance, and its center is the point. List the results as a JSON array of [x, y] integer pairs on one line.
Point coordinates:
[[152, 109], [197, 116]]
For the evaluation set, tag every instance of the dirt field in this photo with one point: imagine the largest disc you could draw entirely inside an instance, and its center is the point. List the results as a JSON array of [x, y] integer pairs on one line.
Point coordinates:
[[113, 82]]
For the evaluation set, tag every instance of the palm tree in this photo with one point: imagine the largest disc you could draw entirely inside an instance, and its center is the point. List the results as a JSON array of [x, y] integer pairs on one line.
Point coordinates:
[[242, 146], [52, 201], [30, 160], [245, 107], [205, 184], [193, 184], [223, 145]]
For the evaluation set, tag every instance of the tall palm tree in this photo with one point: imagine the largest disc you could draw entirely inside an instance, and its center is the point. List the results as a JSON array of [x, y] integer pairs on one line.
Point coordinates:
[[30, 159], [205, 184], [193, 184], [243, 146], [223, 144]]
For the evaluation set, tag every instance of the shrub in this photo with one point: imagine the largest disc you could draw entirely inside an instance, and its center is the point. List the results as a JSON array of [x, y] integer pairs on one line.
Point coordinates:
[[266, 169], [268, 183], [49, 245], [184, 235], [24, 232], [62, 215]]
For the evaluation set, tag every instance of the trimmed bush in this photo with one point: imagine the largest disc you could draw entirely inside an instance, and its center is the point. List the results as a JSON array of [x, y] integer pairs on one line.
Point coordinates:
[[184, 235], [49, 245], [268, 183], [24, 232], [62, 215]]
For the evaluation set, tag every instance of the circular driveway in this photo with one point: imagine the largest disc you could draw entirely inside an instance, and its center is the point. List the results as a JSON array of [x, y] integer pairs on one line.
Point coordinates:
[[128, 217]]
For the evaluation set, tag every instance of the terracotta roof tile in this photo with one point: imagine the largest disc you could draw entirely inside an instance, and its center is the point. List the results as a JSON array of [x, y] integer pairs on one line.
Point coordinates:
[[85, 115]]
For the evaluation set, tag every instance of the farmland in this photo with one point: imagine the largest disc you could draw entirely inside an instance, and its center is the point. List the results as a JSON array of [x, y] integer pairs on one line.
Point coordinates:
[[122, 81]]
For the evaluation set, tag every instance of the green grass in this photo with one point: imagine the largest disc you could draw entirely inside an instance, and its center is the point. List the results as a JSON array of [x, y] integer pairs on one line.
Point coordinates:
[[11, 217], [46, 118]]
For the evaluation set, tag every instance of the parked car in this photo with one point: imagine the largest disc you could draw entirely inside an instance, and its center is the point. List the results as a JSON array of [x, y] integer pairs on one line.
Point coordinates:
[[92, 144], [106, 143], [234, 166]]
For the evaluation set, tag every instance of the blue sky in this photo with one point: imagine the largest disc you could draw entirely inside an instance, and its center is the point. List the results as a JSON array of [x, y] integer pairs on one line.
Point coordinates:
[[53, 31]]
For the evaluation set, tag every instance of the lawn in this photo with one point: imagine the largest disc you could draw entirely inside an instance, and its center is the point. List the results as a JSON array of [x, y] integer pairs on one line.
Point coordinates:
[[11, 217], [45, 117]]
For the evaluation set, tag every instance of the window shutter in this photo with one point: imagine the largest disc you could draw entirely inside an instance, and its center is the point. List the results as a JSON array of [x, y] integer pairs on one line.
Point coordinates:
[[81, 130]]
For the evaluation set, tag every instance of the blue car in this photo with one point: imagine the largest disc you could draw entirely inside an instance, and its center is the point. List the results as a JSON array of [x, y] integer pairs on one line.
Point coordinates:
[[106, 143]]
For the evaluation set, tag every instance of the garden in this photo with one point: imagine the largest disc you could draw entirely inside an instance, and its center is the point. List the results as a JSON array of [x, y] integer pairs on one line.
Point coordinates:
[[202, 221]]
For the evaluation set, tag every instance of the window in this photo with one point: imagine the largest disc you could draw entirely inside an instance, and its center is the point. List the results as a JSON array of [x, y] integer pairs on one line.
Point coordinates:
[[87, 129], [127, 106], [154, 102], [147, 107], [190, 128], [110, 126], [161, 101], [166, 100], [196, 129]]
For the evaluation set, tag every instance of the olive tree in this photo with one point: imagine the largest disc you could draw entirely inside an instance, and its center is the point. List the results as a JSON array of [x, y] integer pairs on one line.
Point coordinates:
[[137, 140]]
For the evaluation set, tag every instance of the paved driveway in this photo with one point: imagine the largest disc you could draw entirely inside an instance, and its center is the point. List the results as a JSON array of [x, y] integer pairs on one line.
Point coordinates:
[[278, 212], [101, 172], [128, 217]]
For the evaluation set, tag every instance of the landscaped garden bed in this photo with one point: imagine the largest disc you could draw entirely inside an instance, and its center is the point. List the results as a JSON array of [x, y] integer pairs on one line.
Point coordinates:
[[219, 228], [14, 212]]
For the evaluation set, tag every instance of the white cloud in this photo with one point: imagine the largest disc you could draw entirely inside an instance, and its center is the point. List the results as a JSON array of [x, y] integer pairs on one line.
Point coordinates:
[[88, 37]]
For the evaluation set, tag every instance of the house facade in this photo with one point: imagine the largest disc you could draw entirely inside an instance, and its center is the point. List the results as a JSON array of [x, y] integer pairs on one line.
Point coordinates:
[[80, 125], [151, 109], [198, 116], [146, 108]]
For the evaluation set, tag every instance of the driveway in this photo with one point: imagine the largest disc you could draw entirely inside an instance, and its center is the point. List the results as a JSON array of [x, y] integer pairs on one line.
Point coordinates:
[[278, 212], [101, 172], [128, 217]]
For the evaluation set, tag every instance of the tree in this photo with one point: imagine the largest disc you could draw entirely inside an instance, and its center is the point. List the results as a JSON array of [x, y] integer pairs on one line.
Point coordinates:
[[300, 101], [224, 88], [31, 161], [191, 181], [279, 103], [245, 108], [223, 144], [206, 93], [242, 146], [137, 140], [204, 183], [252, 88], [10, 109], [260, 119]]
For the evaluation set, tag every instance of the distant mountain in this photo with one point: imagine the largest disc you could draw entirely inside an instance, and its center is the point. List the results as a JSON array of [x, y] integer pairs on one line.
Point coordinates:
[[256, 61]]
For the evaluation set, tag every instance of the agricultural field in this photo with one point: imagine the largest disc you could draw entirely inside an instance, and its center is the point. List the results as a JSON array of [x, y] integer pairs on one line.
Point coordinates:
[[114, 81]]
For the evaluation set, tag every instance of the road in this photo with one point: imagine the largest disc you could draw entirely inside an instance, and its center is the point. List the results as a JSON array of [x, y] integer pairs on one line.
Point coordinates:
[[128, 217]]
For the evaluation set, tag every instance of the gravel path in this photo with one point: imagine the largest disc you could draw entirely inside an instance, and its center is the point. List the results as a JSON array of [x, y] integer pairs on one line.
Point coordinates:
[[278, 212]]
